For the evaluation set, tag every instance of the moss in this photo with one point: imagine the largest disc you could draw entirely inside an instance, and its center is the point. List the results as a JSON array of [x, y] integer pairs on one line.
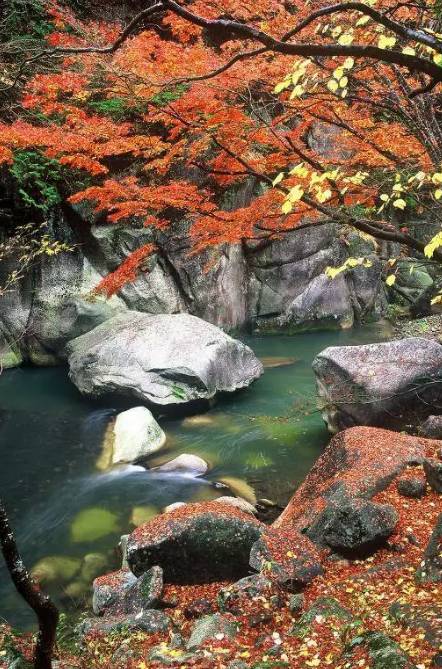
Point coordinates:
[[56, 568]]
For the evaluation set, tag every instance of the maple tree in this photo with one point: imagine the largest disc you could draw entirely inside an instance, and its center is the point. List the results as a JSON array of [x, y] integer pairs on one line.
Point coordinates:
[[156, 121]]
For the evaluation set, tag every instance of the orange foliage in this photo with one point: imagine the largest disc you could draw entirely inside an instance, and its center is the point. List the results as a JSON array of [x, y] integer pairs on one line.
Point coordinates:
[[173, 149]]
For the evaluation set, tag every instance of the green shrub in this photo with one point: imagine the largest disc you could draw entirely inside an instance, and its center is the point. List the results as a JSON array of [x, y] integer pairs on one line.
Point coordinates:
[[24, 19], [38, 180]]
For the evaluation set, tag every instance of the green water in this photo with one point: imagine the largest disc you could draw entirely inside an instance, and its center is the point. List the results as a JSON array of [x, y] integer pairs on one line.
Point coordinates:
[[61, 505]]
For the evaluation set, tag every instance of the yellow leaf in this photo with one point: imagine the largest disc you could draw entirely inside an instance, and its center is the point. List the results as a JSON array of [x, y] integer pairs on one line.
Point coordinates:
[[296, 193], [287, 207], [437, 178], [281, 86], [338, 73], [345, 40], [409, 51], [432, 245], [277, 180], [333, 85], [297, 92], [384, 197], [390, 279], [362, 21], [386, 42], [348, 63], [299, 170], [438, 194], [437, 58], [400, 204], [343, 82]]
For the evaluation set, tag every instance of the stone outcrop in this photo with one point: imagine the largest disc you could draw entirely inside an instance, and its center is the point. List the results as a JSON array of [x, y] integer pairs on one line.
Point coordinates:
[[272, 287], [161, 360], [395, 384], [333, 505]]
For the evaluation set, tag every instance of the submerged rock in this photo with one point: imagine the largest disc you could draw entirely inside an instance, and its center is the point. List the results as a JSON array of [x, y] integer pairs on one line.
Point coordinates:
[[163, 359], [93, 523], [196, 543], [185, 464], [136, 435], [142, 514], [393, 384], [56, 568]]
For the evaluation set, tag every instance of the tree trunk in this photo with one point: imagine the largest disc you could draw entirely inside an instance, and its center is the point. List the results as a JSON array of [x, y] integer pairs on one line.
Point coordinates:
[[45, 610]]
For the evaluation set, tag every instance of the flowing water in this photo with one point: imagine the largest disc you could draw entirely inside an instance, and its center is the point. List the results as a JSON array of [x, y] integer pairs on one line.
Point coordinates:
[[63, 507]]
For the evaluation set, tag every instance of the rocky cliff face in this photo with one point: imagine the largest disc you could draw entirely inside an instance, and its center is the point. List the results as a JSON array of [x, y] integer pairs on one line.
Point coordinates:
[[277, 287]]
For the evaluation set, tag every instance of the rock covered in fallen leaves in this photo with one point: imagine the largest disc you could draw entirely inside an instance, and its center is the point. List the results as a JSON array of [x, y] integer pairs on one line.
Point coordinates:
[[431, 566], [110, 589], [425, 618], [196, 543], [321, 609], [213, 626], [432, 427], [286, 557], [383, 651], [412, 487], [358, 463], [433, 473], [233, 597], [391, 384], [353, 525]]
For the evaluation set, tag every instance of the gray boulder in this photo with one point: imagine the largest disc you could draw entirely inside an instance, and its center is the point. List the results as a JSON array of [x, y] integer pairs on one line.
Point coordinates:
[[432, 427], [433, 473], [354, 525], [163, 359], [393, 384], [136, 434], [110, 589]]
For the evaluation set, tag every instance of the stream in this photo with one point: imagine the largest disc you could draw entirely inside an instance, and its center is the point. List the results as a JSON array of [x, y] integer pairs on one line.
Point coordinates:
[[63, 507]]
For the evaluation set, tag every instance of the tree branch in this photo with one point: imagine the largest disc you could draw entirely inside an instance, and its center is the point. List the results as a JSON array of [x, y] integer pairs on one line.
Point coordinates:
[[41, 604]]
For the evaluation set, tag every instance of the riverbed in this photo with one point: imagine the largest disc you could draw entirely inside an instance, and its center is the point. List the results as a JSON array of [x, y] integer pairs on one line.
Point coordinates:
[[261, 441]]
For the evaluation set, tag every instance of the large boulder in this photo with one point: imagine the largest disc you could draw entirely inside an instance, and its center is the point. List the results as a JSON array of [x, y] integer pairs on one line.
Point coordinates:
[[163, 359], [358, 463], [136, 435], [393, 384], [195, 543]]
